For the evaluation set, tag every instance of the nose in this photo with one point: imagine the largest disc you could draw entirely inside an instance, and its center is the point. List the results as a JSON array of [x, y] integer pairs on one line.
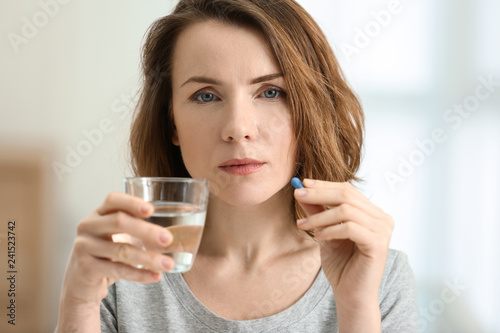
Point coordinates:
[[240, 123]]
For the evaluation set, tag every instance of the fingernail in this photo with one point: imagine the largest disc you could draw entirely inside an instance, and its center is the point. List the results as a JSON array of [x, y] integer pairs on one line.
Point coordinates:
[[301, 221], [167, 264], [301, 192], [146, 209], [164, 237], [309, 182]]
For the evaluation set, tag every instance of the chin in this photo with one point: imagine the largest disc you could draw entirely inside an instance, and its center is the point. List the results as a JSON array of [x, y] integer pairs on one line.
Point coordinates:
[[245, 196]]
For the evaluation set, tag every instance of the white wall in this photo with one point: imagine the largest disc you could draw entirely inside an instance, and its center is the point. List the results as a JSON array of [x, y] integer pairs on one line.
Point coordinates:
[[81, 68]]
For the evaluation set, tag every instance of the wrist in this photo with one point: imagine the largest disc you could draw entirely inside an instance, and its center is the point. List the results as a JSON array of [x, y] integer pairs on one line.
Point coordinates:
[[78, 316], [359, 316], [351, 301]]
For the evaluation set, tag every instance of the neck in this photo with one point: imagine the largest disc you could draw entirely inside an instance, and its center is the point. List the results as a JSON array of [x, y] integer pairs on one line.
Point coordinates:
[[249, 236]]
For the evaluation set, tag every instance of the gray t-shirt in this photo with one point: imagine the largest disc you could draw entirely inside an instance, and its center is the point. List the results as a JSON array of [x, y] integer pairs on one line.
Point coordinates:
[[170, 306]]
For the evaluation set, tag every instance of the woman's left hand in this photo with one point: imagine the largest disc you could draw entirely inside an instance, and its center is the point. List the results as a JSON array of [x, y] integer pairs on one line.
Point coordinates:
[[354, 236]]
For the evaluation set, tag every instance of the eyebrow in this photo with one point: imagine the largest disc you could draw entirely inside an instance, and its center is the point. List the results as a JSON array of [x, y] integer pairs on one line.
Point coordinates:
[[208, 80]]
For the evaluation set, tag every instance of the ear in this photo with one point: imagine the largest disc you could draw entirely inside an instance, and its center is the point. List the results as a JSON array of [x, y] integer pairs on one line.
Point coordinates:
[[175, 138]]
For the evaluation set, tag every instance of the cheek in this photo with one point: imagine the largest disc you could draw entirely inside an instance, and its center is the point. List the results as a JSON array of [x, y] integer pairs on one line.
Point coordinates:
[[195, 144], [280, 122], [281, 128], [282, 135], [191, 137]]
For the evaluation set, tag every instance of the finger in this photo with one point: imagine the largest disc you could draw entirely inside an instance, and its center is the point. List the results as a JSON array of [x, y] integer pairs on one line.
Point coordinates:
[[336, 215], [120, 222], [315, 183], [134, 206], [308, 209], [311, 209], [185, 238], [347, 230], [350, 190], [336, 195], [118, 271], [370, 243], [124, 253]]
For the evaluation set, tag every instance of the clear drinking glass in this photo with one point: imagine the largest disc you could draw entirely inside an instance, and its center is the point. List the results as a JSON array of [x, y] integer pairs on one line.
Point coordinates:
[[181, 207]]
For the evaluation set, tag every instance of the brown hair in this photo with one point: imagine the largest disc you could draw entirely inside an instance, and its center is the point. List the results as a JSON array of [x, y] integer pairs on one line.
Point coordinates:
[[328, 118]]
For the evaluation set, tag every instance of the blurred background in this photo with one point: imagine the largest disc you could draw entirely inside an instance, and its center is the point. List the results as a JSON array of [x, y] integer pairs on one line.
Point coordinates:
[[427, 73]]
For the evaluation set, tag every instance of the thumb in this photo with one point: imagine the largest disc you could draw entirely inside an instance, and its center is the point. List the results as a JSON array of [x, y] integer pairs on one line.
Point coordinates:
[[309, 209]]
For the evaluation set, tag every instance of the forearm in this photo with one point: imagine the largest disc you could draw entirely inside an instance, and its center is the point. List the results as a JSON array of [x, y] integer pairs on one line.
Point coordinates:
[[359, 319], [78, 318]]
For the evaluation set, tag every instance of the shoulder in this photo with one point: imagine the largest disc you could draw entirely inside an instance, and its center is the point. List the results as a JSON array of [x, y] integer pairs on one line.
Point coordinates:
[[397, 271], [395, 259], [398, 295]]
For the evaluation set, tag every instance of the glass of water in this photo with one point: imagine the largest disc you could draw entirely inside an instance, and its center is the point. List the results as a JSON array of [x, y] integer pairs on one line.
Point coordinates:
[[181, 207]]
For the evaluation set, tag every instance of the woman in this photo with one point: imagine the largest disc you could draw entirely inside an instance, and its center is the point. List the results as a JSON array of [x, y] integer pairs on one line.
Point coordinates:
[[248, 94]]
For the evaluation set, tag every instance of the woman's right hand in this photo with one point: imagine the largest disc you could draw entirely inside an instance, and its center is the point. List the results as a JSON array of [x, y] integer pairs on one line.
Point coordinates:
[[96, 261]]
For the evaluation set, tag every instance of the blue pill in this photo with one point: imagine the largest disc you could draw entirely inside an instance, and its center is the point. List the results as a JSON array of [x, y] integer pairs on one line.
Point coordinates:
[[297, 183]]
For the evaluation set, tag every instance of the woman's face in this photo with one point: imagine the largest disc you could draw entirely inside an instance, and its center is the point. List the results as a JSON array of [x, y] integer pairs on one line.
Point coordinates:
[[232, 122]]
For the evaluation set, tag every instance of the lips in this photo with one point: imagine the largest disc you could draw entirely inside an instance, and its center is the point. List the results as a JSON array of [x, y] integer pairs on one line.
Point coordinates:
[[244, 166]]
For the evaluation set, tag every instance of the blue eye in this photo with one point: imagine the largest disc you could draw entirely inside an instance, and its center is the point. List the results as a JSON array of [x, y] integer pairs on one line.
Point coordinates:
[[273, 93], [205, 97]]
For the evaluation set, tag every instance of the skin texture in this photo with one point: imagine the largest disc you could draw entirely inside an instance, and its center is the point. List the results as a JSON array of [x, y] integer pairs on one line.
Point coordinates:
[[226, 106], [354, 237], [96, 262], [239, 121]]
